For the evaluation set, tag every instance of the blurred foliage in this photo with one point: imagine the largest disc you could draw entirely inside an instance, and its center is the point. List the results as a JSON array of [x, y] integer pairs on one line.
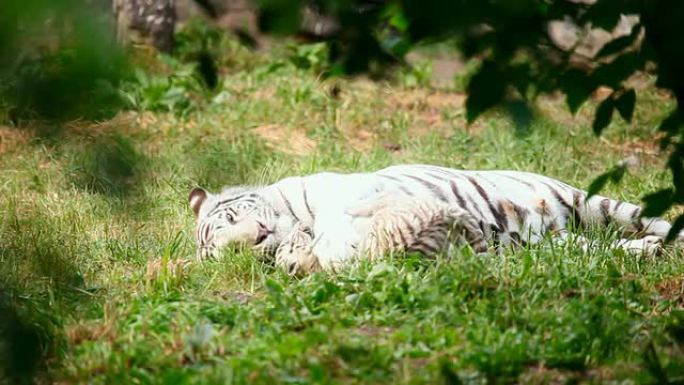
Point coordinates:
[[58, 60], [189, 79], [312, 57], [108, 165], [517, 59]]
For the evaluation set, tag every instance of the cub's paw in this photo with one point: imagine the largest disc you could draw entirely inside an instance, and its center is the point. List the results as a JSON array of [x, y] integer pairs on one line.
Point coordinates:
[[295, 255]]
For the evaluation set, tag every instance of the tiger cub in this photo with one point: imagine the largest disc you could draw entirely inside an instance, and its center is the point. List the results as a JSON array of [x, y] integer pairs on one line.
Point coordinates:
[[394, 224], [295, 255]]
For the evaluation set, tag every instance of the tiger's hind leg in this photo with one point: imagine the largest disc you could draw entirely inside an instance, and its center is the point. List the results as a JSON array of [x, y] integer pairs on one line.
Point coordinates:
[[601, 210], [650, 245]]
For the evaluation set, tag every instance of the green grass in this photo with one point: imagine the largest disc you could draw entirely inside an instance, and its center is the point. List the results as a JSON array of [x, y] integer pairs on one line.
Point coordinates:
[[95, 229]]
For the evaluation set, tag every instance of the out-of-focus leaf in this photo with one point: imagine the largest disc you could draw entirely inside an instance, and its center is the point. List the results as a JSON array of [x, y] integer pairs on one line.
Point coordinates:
[[578, 86], [676, 165], [672, 123], [208, 7], [280, 16], [602, 14], [273, 287], [486, 89], [677, 227], [614, 175], [604, 114], [206, 67], [396, 17], [657, 203], [449, 374], [522, 115], [598, 184], [625, 104], [621, 43], [614, 73], [653, 365]]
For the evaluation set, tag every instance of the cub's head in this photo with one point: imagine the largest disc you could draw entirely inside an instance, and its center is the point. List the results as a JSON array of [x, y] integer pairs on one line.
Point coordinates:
[[236, 216]]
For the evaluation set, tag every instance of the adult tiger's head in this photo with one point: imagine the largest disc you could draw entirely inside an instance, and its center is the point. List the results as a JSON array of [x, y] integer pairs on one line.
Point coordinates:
[[236, 216]]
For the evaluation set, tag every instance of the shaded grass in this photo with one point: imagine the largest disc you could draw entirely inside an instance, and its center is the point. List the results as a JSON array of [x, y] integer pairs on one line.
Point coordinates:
[[95, 237]]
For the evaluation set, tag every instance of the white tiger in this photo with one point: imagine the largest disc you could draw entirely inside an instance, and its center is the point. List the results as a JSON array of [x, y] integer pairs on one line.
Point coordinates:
[[509, 207]]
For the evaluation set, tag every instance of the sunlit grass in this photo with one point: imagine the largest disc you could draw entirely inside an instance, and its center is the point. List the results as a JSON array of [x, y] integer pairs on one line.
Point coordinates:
[[95, 233]]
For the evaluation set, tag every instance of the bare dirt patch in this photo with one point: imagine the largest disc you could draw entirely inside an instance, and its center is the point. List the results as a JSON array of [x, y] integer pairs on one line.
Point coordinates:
[[11, 138], [289, 141], [672, 289], [431, 110]]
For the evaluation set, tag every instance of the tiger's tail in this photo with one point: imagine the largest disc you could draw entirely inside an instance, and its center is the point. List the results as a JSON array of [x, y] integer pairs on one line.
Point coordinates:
[[599, 210]]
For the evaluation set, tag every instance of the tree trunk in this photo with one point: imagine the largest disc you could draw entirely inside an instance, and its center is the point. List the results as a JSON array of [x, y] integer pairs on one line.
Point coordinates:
[[145, 21]]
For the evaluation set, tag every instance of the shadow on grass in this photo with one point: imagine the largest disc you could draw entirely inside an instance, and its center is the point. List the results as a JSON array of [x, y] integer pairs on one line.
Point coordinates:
[[228, 162], [107, 165], [39, 281]]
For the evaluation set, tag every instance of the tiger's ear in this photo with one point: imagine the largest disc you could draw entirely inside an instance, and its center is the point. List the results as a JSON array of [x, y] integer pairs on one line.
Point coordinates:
[[196, 198]]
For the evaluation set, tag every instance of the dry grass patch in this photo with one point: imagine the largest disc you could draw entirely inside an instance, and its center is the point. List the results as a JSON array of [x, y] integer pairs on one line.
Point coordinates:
[[288, 141]]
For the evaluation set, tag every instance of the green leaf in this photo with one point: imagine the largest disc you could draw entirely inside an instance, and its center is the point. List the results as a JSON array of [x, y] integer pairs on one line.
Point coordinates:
[[618, 172], [486, 89], [522, 115], [620, 44], [657, 203], [625, 104], [449, 374], [604, 114], [396, 17], [672, 123], [578, 86], [676, 165], [380, 269], [677, 227], [273, 287], [280, 16], [603, 14], [614, 175], [612, 74], [598, 184]]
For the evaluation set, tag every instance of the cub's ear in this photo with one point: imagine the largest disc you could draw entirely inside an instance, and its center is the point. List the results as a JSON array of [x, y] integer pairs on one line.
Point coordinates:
[[196, 198]]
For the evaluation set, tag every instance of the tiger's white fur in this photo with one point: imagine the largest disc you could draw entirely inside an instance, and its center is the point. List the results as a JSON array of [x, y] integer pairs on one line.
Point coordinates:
[[509, 207], [396, 224]]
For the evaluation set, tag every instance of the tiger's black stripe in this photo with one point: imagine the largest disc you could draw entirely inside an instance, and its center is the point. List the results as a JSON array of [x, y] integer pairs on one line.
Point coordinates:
[[498, 217], [605, 210], [288, 205], [412, 230], [306, 202], [572, 211], [636, 220], [476, 206], [526, 183], [617, 206], [457, 194], [461, 201], [577, 198], [430, 186], [520, 212], [399, 184]]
